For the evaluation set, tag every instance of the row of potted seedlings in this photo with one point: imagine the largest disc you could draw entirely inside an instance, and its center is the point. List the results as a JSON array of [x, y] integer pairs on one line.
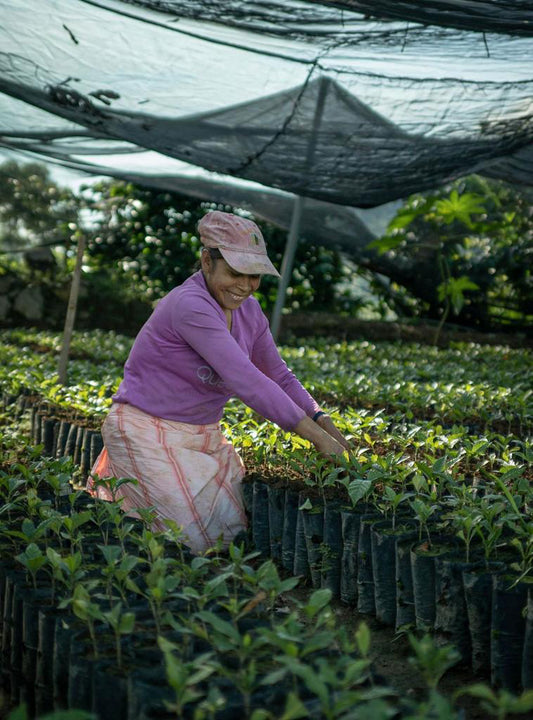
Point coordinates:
[[429, 553], [485, 388], [100, 613], [361, 493], [407, 570], [356, 539]]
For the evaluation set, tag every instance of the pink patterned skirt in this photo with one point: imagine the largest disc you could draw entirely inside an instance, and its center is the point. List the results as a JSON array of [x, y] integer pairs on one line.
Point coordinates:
[[190, 474]]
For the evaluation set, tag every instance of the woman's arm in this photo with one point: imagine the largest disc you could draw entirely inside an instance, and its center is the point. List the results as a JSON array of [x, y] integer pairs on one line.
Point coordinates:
[[266, 356]]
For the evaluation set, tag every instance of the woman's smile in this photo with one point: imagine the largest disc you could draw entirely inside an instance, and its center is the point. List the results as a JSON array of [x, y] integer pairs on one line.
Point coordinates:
[[227, 286]]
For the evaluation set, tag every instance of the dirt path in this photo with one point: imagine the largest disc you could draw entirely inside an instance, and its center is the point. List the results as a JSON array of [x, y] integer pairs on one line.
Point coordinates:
[[390, 654]]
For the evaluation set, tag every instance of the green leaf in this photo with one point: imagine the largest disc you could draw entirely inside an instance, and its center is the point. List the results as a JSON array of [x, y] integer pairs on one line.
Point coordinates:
[[479, 690], [386, 243], [318, 600], [459, 207], [363, 639], [523, 703], [127, 623], [222, 626], [358, 489], [294, 708]]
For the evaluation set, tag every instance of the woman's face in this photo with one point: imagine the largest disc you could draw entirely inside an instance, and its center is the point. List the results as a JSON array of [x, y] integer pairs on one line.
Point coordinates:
[[229, 287]]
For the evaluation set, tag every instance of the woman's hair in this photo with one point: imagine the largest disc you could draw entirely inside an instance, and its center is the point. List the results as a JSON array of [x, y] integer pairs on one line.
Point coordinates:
[[214, 254]]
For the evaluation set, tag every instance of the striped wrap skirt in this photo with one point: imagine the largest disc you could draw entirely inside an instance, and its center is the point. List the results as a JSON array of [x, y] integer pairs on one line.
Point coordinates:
[[190, 474]]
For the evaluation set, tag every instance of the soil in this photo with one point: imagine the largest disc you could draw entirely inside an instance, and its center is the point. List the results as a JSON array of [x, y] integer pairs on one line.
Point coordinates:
[[419, 331], [390, 652]]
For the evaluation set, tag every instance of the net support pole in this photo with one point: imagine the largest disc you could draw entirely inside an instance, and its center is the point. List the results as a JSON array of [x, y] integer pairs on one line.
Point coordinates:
[[71, 312], [286, 265], [294, 232]]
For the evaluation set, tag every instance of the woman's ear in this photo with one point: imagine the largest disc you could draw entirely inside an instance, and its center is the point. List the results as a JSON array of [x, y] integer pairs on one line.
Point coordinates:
[[205, 260]]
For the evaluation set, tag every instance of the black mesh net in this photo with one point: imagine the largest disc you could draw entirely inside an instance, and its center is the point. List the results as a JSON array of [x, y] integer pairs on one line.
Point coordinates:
[[330, 101]]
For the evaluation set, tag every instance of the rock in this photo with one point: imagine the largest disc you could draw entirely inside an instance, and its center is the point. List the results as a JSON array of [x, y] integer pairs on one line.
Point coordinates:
[[40, 258], [4, 307], [6, 283], [29, 303]]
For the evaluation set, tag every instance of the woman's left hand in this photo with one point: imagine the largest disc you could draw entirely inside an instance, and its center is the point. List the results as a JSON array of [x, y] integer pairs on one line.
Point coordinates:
[[327, 424]]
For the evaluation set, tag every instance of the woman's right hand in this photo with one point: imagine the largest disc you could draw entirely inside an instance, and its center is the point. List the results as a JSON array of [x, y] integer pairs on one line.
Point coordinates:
[[329, 446], [322, 440]]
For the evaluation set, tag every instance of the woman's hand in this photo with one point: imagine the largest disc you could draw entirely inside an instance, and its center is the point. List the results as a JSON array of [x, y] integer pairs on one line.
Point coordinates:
[[327, 424], [324, 442], [329, 446]]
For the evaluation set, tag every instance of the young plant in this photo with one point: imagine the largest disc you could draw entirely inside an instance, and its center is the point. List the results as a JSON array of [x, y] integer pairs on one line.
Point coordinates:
[[117, 571], [499, 703], [423, 510], [112, 485], [30, 533], [160, 582], [186, 678], [122, 623], [431, 660], [490, 528], [523, 543], [72, 525], [33, 560], [392, 501], [465, 522], [67, 571], [87, 611]]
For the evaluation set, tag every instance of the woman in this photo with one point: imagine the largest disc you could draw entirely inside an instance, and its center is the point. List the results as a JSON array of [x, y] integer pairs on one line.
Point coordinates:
[[206, 341]]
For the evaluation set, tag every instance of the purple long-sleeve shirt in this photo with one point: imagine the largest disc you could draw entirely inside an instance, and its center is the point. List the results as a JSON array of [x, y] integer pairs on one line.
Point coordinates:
[[185, 364]]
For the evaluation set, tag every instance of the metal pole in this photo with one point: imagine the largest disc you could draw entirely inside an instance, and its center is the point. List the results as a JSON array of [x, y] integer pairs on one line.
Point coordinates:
[[71, 312], [294, 232], [286, 265]]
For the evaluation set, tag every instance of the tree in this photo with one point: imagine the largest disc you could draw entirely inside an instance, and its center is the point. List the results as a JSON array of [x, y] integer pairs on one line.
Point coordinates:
[[34, 210], [465, 249], [148, 235]]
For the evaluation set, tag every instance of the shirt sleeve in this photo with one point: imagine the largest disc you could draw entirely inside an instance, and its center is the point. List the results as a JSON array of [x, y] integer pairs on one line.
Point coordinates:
[[266, 357], [204, 328]]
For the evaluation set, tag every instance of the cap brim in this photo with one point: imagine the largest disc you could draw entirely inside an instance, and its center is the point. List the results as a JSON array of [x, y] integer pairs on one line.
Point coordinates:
[[249, 263]]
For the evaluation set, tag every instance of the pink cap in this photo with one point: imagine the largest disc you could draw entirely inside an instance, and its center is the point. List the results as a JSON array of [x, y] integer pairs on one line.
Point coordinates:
[[239, 240]]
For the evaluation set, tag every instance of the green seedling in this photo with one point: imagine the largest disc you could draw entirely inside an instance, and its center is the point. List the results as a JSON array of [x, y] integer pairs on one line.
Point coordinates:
[[33, 560], [72, 525], [423, 510], [122, 623], [185, 677], [87, 611], [499, 703], [112, 485], [117, 571], [67, 571], [431, 660]]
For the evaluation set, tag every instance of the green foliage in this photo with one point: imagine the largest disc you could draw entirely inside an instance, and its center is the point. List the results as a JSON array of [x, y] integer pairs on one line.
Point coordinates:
[[228, 632], [499, 703], [34, 210], [431, 660], [149, 236], [453, 290], [474, 236], [465, 249]]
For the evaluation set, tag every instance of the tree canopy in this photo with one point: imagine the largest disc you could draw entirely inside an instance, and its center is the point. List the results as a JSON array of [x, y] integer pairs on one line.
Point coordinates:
[[463, 252]]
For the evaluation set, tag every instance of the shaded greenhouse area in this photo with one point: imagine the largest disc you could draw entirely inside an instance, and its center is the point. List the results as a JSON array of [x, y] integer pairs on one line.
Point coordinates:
[[394, 137]]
